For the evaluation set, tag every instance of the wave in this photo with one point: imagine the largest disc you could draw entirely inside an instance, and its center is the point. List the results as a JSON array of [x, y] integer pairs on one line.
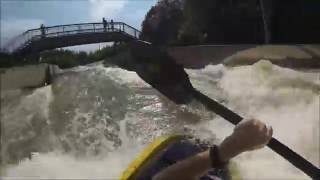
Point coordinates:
[[92, 121]]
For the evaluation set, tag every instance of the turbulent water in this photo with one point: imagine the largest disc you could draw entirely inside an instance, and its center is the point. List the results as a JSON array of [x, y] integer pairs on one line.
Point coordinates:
[[92, 121]]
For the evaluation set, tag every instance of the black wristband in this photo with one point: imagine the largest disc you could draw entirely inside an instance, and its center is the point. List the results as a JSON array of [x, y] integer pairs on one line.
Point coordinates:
[[215, 158]]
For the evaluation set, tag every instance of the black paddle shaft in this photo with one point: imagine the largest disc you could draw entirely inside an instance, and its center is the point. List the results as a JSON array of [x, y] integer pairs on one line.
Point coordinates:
[[294, 158]]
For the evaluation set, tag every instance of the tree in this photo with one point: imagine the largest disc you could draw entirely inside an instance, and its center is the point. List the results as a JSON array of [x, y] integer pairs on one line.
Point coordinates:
[[207, 21], [187, 22], [221, 22], [162, 23]]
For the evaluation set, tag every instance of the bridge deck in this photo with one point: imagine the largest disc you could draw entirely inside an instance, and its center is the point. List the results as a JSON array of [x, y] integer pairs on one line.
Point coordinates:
[[36, 40]]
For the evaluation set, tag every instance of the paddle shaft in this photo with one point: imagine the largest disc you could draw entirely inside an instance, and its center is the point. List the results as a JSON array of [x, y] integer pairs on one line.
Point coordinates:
[[294, 158]]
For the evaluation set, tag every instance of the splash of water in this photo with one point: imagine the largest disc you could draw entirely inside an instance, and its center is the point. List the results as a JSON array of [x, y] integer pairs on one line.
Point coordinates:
[[286, 99], [92, 121]]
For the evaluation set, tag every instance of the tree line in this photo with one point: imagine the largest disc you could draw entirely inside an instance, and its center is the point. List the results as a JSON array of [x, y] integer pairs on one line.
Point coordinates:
[[62, 57], [185, 22]]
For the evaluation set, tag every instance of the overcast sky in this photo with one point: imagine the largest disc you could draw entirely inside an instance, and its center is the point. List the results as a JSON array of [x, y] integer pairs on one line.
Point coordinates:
[[20, 15]]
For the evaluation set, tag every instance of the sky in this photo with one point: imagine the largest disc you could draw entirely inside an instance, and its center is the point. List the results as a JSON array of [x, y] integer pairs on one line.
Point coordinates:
[[18, 16]]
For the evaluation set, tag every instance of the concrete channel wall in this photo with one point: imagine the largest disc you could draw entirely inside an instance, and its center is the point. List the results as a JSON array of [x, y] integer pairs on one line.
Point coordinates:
[[30, 76]]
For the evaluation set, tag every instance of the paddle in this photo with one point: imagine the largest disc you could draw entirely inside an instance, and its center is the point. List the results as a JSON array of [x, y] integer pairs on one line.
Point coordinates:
[[155, 67]]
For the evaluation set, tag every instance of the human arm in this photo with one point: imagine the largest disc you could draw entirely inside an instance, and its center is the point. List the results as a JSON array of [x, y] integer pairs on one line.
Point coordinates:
[[247, 135]]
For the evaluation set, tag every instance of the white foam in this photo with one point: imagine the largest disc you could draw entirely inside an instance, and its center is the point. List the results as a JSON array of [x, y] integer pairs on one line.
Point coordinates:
[[286, 99], [63, 166]]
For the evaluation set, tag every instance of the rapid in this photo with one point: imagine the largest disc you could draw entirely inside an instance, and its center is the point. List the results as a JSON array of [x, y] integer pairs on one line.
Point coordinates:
[[93, 120]]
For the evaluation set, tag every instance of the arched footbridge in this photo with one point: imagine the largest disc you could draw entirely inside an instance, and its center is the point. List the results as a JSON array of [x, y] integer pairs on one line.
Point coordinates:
[[45, 38]]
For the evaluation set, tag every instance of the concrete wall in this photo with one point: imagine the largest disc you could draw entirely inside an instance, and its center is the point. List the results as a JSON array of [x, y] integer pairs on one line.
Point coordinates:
[[31, 76], [200, 56], [290, 56]]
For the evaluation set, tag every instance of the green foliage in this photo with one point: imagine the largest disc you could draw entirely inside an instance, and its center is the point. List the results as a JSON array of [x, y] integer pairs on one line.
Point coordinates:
[[7, 60], [162, 23], [221, 22], [295, 21], [68, 59], [63, 58], [196, 16], [185, 22], [120, 56]]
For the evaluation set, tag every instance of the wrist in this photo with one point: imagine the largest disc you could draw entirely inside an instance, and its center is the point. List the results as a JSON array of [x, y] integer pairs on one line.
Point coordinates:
[[215, 157], [224, 154], [229, 148]]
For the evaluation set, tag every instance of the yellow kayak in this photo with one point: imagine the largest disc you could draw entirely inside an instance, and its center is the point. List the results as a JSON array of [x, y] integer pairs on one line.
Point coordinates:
[[165, 151], [148, 155]]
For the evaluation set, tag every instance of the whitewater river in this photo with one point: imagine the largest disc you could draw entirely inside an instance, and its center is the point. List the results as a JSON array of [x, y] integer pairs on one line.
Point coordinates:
[[92, 121]]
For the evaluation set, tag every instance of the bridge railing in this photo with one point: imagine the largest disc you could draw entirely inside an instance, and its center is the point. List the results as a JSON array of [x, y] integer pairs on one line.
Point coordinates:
[[27, 37]]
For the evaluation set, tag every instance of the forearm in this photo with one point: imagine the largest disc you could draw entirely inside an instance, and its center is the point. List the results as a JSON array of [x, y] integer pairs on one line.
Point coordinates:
[[196, 166], [187, 169], [248, 135]]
